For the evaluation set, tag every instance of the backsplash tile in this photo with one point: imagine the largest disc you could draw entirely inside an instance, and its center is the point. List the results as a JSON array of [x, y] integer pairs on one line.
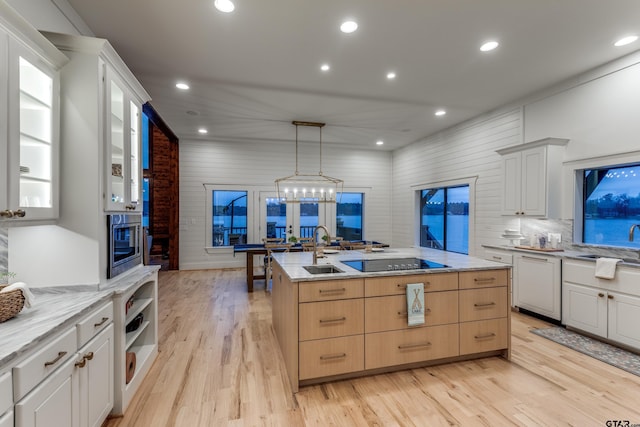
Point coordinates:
[[4, 250]]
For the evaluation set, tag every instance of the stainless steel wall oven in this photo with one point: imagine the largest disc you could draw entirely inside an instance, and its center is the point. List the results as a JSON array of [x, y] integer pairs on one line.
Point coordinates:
[[124, 243]]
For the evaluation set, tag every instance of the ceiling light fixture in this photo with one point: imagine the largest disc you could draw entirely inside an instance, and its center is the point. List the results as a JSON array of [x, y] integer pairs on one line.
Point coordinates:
[[308, 188], [182, 86], [348, 26], [440, 113], [380, 142], [203, 131], [391, 75], [625, 41], [490, 45], [325, 67], [225, 6]]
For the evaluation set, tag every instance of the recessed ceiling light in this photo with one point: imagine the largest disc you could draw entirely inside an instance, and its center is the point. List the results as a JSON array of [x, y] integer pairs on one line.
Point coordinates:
[[625, 41], [203, 131], [325, 67], [225, 6], [380, 142], [490, 45], [349, 26], [391, 75], [182, 85], [440, 113]]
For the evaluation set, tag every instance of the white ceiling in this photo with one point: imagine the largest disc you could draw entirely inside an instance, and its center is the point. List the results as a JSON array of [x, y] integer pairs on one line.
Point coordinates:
[[255, 70]]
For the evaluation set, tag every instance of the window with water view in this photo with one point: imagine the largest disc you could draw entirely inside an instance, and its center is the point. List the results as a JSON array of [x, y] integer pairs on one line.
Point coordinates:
[[229, 217], [349, 216], [444, 218], [611, 205]]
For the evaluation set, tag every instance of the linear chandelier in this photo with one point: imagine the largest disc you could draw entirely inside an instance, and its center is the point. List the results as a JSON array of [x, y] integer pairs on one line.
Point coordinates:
[[309, 188]]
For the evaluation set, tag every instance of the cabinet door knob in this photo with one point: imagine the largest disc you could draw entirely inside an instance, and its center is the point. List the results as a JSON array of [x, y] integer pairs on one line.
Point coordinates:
[[610, 296], [600, 294], [89, 356], [6, 213], [81, 364], [20, 213]]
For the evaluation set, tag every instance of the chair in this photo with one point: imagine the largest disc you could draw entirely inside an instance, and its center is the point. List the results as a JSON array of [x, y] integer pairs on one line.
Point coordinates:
[[348, 245], [271, 248], [307, 247]]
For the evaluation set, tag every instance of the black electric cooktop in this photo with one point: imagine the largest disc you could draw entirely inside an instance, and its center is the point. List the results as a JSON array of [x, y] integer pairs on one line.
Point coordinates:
[[392, 264]]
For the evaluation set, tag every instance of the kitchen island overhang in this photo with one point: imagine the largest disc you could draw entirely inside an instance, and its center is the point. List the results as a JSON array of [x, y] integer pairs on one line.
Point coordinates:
[[351, 323]]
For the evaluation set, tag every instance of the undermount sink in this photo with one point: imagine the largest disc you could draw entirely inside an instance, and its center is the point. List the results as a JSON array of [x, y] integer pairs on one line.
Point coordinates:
[[590, 256], [322, 269]]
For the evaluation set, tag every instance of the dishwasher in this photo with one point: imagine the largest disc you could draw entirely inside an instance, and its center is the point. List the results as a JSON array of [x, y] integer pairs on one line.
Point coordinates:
[[537, 284]]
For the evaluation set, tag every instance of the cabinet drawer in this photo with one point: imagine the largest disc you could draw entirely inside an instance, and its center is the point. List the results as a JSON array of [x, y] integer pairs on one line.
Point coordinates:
[[483, 278], [94, 323], [43, 362], [390, 312], [397, 285], [483, 335], [329, 319], [327, 290], [410, 345], [498, 256], [6, 392], [479, 304], [332, 356]]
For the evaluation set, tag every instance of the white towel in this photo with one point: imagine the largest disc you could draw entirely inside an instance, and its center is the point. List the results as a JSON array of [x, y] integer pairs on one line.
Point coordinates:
[[29, 299], [415, 304], [606, 267]]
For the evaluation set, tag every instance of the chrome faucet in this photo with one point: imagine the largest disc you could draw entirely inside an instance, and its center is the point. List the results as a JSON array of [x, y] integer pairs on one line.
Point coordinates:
[[633, 227], [315, 241]]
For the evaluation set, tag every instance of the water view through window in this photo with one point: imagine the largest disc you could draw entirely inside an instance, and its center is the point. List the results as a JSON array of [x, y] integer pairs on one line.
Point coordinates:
[[444, 218], [229, 217], [349, 216], [611, 205]]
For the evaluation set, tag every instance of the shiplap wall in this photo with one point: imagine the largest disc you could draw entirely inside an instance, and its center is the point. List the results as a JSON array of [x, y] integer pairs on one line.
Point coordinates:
[[255, 166], [463, 151]]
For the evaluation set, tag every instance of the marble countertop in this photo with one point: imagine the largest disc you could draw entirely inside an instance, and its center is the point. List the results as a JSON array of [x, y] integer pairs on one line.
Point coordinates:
[[628, 261], [56, 309], [293, 263]]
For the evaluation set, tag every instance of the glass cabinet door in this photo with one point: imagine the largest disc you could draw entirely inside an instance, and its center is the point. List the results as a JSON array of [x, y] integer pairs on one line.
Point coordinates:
[[117, 143], [134, 154]]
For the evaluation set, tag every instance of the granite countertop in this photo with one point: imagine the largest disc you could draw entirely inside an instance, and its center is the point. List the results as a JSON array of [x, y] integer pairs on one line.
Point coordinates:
[[628, 260], [293, 262], [56, 309]]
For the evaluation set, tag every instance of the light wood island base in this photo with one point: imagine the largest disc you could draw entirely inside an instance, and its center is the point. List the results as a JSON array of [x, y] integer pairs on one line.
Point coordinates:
[[346, 328]]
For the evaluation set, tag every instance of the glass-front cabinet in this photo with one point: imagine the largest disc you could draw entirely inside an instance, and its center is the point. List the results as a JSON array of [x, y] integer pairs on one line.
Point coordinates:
[[123, 147], [30, 109]]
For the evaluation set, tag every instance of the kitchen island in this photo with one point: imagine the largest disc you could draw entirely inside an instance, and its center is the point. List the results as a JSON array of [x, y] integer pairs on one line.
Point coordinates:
[[352, 323]]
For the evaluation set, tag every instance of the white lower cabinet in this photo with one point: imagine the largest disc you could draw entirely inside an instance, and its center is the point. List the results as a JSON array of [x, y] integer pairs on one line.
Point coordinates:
[[537, 284], [606, 308], [6, 420], [96, 378], [53, 403]]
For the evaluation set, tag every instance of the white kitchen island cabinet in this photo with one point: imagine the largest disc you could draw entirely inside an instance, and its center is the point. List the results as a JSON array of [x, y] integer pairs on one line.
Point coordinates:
[[29, 114], [607, 308], [531, 177]]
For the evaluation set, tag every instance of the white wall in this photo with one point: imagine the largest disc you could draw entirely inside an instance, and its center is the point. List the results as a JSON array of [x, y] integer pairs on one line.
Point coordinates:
[[255, 167]]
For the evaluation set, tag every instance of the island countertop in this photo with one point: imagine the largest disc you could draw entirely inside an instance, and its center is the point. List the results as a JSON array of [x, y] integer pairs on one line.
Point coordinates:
[[293, 262]]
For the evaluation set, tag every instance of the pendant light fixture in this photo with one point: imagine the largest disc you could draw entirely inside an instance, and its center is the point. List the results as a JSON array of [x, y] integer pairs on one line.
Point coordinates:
[[309, 188]]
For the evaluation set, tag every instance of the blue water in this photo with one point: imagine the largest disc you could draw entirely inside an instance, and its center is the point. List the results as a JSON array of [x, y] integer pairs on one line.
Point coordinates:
[[611, 231], [457, 231]]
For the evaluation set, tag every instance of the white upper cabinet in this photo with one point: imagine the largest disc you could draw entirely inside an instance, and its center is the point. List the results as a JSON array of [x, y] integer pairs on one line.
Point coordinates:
[[99, 91], [29, 111], [531, 177]]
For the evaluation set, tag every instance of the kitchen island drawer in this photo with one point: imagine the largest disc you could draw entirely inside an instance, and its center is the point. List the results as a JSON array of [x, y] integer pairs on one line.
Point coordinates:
[[329, 319], [397, 285], [28, 373], [483, 335], [479, 304], [483, 279], [334, 356], [328, 290], [410, 345], [94, 323], [389, 313]]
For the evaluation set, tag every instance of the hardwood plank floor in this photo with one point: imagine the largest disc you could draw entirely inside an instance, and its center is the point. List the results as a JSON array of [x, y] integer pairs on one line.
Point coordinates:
[[219, 365]]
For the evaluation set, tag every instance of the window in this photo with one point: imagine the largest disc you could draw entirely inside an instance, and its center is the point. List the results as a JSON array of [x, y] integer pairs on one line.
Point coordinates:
[[229, 217], [444, 218], [276, 218], [611, 205], [349, 216]]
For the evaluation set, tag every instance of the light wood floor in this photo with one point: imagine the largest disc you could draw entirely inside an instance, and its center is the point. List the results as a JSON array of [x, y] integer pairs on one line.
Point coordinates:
[[219, 365]]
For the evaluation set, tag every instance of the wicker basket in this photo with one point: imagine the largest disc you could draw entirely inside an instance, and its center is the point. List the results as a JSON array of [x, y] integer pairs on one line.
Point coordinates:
[[10, 304]]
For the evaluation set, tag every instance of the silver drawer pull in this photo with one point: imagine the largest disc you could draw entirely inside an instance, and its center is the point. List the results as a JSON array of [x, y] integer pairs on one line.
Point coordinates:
[[499, 258], [485, 336], [61, 354], [534, 258], [484, 279], [333, 356], [484, 304], [324, 291], [104, 319], [410, 346], [337, 319]]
